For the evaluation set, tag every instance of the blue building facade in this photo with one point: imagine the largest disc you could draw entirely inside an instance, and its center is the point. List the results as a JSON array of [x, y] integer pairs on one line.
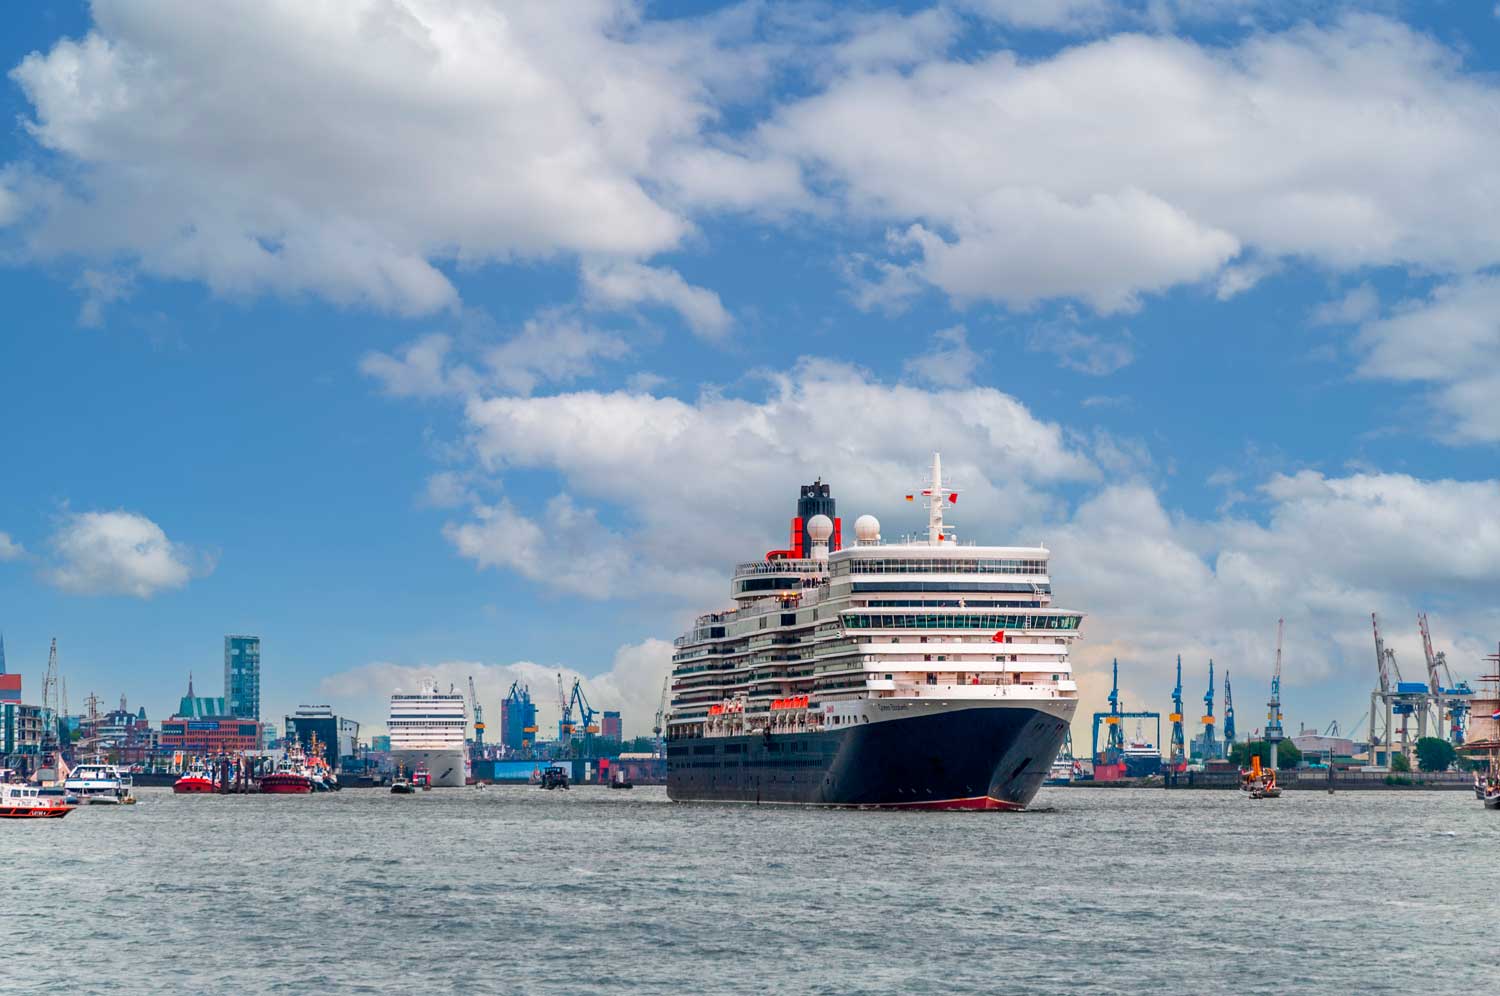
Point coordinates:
[[242, 676]]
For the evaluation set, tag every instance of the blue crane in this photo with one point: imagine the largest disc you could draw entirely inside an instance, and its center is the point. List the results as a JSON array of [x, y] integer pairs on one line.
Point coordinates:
[[1210, 743], [1114, 744], [586, 712], [1177, 755], [1115, 740], [1228, 714]]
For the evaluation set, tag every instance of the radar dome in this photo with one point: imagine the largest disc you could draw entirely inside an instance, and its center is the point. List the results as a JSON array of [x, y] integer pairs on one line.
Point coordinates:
[[820, 527], [867, 529]]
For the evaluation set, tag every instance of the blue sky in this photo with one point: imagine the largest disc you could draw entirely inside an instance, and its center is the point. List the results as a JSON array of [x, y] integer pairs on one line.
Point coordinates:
[[485, 340]]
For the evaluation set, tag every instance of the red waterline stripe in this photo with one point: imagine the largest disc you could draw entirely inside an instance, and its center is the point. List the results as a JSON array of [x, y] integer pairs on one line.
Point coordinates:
[[978, 802]]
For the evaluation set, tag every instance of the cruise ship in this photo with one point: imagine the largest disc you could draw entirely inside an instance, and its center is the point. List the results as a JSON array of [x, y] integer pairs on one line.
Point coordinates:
[[922, 674], [427, 731]]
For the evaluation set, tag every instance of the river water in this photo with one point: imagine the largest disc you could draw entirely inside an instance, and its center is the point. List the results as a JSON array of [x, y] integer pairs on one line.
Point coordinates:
[[517, 890]]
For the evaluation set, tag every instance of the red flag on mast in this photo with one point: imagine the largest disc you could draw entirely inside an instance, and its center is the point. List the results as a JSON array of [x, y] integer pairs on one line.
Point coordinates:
[[998, 637]]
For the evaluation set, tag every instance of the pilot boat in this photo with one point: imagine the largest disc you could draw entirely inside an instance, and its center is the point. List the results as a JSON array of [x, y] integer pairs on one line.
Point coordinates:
[[22, 802]]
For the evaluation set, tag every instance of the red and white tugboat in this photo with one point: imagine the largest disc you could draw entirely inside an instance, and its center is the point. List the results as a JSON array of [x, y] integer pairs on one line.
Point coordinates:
[[290, 777], [196, 779], [23, 802]]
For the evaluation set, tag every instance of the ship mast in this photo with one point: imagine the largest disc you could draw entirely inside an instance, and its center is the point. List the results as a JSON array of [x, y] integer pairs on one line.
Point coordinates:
[[936, 494]]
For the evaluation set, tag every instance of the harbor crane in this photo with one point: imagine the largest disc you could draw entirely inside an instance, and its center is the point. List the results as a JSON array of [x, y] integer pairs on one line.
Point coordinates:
[[1177, 754], [1113, 756], [1452, 699], [478, 716], [1228, 714], [659, 730], [1210, 744], [1274, 733], [51, 719], [586, 714], [1400, 698], [565, 720]]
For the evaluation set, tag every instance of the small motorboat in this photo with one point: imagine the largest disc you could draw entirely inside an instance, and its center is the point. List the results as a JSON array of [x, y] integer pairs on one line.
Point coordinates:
[[26, 802], [554, 778], [619, 781]]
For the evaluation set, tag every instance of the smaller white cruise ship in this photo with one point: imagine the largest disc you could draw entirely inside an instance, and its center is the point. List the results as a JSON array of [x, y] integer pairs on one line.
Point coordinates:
[[427, 732]]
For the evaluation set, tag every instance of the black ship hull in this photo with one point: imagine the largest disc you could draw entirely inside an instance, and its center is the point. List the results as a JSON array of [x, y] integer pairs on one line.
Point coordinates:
[[979, 758]]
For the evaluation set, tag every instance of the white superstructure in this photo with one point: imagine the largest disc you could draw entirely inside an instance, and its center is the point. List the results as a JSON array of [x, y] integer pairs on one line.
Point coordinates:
[[427, 730], [96, 783]]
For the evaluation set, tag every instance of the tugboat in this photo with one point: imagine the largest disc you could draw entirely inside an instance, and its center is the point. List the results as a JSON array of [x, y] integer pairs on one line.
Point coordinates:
[[196, 780], [26, 802], [554, 778], [617, 780], [290, 776], [401, 785], [1259, 783]]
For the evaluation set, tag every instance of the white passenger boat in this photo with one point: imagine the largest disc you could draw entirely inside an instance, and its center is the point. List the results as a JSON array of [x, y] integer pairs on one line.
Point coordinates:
[[99, 784]]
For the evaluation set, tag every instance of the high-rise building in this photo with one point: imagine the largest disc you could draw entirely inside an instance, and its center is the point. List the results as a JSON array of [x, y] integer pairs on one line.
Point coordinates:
[[10, 684], [242, 676], [610, 728]]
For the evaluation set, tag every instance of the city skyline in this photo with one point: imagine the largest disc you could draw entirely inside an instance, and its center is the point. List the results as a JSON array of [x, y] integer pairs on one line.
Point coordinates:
[[483, 385]]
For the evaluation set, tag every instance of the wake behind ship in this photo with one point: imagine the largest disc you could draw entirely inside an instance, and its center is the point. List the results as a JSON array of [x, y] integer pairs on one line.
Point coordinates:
[[922, 674]]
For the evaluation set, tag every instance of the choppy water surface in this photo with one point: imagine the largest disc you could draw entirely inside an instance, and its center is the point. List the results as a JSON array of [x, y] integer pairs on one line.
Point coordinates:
[[516, 890]]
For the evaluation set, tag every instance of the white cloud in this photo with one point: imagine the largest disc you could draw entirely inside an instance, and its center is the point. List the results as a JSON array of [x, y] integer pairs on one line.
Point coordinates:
[[693, 484], [624, 284], [390, 137], [119, 553], [1086, 352], [10, 549], [1450, 340], [552, 347], [631, 685], [420, 370], [100, 288], [1132, 164], [949, 363], [1360, 304], [568, 549], [1235, 280]]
